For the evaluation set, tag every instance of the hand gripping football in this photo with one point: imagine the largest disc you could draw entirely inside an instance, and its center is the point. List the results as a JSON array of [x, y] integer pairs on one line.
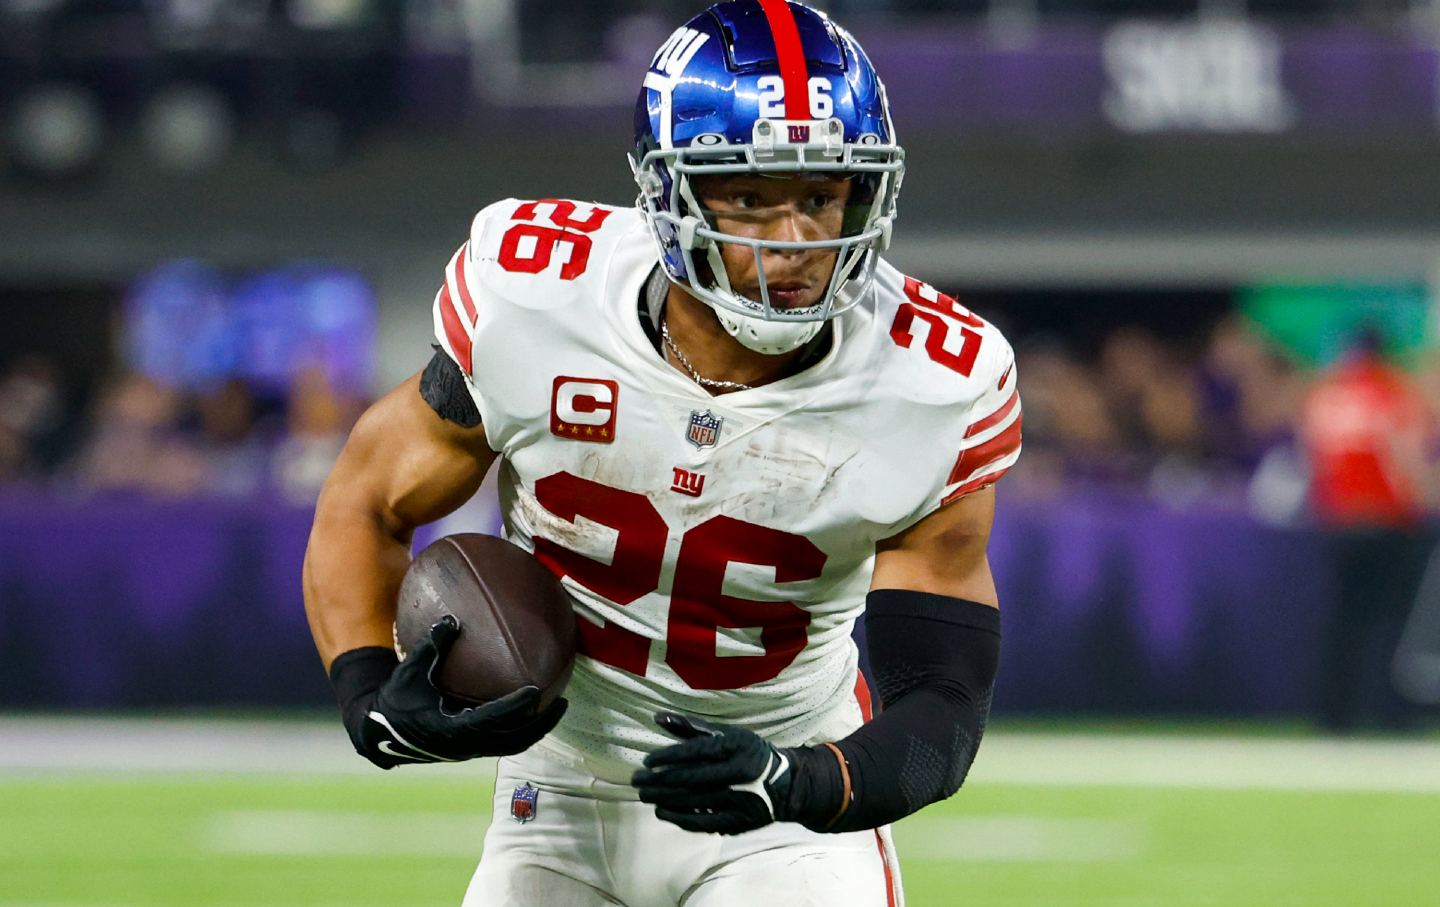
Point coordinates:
[[516, 625]]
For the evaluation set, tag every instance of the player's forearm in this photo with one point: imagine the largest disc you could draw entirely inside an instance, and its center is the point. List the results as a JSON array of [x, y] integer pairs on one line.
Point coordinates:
[[402, 467], [920, 755], [935, 660], [353, 568]]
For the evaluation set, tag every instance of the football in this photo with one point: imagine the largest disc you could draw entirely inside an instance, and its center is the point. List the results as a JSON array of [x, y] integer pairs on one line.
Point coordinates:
[[516, 624]]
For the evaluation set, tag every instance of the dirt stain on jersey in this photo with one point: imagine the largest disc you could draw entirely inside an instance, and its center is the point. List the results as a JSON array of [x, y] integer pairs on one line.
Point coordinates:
[[586, 537], [784, 474]]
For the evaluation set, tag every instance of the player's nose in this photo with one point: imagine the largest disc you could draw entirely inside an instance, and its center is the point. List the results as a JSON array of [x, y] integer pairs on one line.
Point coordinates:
[[792, 224]]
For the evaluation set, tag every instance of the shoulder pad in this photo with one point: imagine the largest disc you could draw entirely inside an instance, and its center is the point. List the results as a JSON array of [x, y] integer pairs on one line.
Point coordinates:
[[545, 253], [947, 354], [960, 370], [535, 255]]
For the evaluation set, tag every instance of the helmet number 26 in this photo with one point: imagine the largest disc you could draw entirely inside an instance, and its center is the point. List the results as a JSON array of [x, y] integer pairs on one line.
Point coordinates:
[[772, 98]]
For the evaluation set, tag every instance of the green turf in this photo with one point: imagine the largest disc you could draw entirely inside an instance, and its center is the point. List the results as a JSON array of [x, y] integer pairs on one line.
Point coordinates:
[[93, 841]]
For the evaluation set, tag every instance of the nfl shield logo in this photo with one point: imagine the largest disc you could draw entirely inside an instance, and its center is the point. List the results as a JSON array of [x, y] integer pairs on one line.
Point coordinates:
[[522, 803], [704, 428]]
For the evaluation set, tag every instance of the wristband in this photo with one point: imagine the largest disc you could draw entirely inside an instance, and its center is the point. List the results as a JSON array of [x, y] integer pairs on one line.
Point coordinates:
[[357, 675]]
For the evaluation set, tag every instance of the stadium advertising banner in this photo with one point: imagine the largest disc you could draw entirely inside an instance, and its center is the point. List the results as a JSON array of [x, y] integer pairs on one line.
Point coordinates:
[[1227, 76], [1218, 75]]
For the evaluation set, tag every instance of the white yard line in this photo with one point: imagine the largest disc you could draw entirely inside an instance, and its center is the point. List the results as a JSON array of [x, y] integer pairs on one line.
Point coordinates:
[[1019, 839], [1217, 763], [145, 746], [327, 833], [117, 746]]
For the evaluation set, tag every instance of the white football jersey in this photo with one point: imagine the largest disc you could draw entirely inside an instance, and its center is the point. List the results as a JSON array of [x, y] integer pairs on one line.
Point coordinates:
[[718, 548]]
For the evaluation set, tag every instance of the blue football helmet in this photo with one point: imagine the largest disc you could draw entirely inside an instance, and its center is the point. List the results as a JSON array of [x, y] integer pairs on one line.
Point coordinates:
[[769, 87]]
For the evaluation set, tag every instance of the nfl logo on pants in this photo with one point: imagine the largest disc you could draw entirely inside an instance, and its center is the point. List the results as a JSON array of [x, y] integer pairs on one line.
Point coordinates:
[[522, 803]]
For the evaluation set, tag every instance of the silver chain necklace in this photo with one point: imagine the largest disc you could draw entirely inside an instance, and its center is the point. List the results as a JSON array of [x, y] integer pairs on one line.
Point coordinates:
[[694, 375]]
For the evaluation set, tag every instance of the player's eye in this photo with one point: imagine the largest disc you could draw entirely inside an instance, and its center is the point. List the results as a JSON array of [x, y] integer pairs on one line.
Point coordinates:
[[745, 200]]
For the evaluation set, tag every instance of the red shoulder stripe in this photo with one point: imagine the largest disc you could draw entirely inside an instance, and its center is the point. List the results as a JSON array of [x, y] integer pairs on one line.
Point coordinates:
[[975, 485], [455, 330], [460, 283], [790, 53], [995, 418], [985, 453]]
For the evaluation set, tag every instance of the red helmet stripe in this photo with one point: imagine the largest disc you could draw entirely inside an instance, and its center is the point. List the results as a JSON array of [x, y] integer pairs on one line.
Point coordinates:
[[791, 55]]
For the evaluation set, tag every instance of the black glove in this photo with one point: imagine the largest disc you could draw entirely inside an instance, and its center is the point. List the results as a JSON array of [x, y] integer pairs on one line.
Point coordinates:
[[728, 780], [395, 715]]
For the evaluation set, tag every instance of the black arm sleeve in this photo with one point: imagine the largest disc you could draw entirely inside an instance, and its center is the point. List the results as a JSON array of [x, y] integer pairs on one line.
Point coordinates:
[[442, 384], [934, 660]]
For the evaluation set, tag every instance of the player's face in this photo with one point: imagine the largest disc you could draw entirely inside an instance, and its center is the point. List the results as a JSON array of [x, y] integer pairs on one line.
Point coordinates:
[[801, 208]]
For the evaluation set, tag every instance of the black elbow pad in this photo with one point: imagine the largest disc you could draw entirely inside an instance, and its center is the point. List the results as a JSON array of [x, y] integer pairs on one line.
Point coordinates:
[[443, 386]]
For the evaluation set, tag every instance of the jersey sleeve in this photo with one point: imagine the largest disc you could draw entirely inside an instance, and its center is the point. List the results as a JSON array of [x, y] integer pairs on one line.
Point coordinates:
[[456, 314], [958, 425], [460, 309], [990, 444], [965, 431], [517, 291]]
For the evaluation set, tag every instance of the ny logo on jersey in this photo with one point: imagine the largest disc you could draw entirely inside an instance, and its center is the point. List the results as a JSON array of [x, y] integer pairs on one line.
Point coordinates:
[[584, 409], [704, 429], [687, 482]]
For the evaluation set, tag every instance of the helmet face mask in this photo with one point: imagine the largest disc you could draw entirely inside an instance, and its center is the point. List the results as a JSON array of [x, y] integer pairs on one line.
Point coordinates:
[[698, 116]]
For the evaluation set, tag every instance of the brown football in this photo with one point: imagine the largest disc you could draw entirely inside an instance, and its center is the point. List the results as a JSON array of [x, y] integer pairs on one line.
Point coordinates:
[[516, 625]]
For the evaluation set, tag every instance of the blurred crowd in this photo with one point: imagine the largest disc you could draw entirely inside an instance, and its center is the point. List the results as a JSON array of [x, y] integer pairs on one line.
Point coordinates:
[[1218, 420], [1214, 418], [1139, 407], [141, 436], [234, 386]]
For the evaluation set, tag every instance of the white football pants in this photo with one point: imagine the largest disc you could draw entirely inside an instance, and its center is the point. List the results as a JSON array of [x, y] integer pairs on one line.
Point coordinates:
[[588, 845]]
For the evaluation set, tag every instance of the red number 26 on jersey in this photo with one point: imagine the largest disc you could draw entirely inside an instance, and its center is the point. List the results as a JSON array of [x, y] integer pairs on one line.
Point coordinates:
[[698, 606], [938, 311], [529, 248]]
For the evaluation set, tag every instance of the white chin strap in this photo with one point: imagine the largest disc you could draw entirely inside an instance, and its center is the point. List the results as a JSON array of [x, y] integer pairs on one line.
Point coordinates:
[[771, 338]]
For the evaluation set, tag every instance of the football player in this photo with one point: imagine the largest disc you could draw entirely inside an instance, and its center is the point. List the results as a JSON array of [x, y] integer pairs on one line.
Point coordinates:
[[731, 429]]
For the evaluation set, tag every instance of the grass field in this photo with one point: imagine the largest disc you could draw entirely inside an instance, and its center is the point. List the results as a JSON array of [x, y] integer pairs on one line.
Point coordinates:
[[221, 813]]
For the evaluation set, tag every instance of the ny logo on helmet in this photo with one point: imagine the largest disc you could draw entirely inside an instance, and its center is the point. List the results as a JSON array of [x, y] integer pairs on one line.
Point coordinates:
[[739, 66], [678, 50]]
